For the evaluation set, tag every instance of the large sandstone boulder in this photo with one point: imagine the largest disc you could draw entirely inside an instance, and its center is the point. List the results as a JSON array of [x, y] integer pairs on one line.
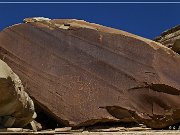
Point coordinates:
[[16, 107], [83, 73]]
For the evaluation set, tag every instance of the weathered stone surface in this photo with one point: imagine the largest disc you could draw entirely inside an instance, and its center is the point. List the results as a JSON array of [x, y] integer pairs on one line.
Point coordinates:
[[65, 129], [176, 46], [171, 38], [16, 107], [35, 126], [83, 73]]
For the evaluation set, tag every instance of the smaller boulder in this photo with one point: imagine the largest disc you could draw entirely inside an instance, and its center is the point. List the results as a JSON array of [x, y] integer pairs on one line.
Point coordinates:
[[16, 107]]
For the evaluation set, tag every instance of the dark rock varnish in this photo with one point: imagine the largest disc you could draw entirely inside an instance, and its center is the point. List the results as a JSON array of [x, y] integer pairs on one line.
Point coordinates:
[[83, 73]]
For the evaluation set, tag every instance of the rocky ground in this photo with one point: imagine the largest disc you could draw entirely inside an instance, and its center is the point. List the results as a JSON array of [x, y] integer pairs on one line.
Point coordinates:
[[117, 131]]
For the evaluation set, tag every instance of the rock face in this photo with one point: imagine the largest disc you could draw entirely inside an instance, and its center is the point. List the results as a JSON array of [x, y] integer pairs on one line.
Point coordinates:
[[83, 73], [16, 107], [171, 38]]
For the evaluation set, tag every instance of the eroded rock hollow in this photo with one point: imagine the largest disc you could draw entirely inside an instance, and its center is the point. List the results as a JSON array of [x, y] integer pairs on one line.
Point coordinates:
[[83, 73]]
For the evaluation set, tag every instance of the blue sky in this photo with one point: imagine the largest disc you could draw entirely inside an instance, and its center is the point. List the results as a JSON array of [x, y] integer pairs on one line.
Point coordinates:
[[146, 20]]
